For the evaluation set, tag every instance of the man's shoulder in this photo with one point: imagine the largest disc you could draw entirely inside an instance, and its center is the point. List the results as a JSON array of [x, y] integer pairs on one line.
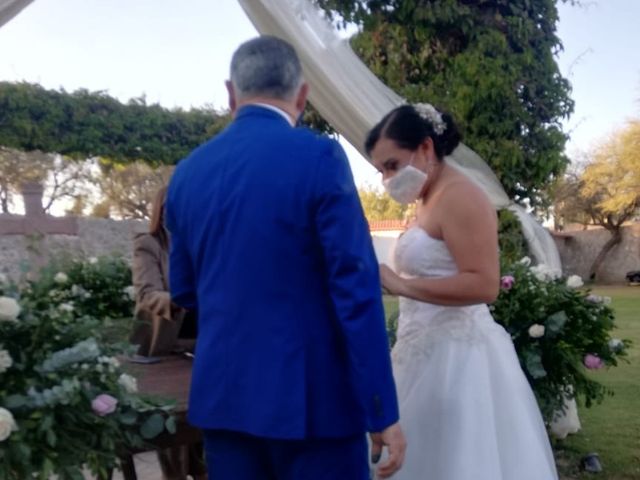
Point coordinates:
[[314, 136], [317, 143]]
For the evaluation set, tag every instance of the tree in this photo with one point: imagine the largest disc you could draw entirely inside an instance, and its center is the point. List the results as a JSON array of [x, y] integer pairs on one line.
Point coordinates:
[[607, 192], [490, 63], [16, 168], [86, 124], [128, 190], [68, 179], [61, 176], [379, 205]]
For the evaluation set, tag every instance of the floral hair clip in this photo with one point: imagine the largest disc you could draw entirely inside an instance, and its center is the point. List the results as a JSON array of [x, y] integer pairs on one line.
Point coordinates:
[[432, 115]]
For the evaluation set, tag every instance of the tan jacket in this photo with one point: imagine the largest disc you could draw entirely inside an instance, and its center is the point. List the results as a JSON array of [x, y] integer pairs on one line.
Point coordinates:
[[158, 321]]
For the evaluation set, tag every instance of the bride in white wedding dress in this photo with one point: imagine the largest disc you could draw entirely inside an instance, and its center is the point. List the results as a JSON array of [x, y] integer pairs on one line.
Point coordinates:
[[466, 408]]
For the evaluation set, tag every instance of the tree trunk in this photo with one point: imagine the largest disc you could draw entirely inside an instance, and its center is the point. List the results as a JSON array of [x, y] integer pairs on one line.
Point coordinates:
[[616, 238], [4, 200]]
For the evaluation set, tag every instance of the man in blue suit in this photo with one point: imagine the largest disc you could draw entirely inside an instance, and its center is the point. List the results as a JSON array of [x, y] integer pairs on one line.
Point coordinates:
[[269, 243]]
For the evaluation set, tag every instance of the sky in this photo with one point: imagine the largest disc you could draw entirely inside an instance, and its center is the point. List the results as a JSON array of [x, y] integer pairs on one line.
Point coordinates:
[[177, 53]]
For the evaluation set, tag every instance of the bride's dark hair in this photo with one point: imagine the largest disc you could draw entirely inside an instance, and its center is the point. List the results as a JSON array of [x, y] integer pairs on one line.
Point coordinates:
[[408, 129]]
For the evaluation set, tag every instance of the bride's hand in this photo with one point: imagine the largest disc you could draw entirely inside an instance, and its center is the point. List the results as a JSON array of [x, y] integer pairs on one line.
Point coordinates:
[[391, 281]]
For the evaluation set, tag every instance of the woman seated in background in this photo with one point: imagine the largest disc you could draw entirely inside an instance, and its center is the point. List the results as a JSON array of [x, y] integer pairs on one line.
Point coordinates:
[[162, 328]]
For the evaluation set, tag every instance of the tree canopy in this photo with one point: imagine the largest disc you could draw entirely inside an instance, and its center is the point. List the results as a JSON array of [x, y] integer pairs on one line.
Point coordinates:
[[606, 192]]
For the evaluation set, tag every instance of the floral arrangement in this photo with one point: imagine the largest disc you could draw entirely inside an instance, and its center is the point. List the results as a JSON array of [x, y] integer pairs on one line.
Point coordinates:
[[559, 330], [65, 400], [97, 287]]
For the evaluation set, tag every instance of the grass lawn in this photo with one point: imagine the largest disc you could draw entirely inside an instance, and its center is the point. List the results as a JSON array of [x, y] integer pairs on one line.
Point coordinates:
[[612, 429]]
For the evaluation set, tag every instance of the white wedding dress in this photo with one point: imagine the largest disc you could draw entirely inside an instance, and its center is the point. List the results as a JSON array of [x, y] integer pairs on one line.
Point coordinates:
[[466, 408]]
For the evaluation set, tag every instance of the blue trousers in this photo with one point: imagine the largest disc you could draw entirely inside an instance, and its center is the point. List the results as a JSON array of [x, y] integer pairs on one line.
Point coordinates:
[[238, 456]]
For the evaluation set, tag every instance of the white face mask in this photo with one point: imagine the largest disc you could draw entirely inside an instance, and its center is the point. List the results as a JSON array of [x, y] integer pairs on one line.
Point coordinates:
[[405, 186]]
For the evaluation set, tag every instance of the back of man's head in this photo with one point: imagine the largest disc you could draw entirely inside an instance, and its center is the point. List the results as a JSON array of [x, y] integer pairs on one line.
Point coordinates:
[[266, 67]]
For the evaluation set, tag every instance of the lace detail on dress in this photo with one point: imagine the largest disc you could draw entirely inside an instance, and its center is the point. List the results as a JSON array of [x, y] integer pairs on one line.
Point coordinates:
[[416, 339]]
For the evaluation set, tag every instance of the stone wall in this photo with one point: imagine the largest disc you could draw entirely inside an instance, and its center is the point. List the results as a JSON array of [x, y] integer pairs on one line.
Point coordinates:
[[578, 250], [96, 236]]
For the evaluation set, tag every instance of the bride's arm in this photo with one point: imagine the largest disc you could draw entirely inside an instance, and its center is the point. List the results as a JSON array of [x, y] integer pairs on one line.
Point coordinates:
[[469, 229]]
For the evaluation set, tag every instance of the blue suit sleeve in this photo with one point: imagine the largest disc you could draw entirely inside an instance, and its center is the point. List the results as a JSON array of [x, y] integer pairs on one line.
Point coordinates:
[[181, 272], [354, 285]]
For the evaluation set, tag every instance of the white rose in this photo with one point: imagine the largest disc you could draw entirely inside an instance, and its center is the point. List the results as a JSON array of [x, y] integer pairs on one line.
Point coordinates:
[[574, 281], [615, 344], [5, 361], [545, 273], [606, 300], [540, 272], [130, 292], [553, 273], [61, 277], [526, 261], [66, 307], [9, 309], [129, 383], [3, 278], [536, 330], [93, 260], [7, 424]]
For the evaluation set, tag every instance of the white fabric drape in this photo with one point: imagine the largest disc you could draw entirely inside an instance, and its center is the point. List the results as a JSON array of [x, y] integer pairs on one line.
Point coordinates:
[[352, 99], [540, 241], [10, 8]]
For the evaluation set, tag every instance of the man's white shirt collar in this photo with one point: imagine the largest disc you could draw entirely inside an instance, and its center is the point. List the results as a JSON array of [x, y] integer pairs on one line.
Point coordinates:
[[277, 110]]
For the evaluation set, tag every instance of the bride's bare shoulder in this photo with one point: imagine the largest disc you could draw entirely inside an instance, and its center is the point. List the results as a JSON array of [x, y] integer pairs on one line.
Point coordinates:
[[464, 191]]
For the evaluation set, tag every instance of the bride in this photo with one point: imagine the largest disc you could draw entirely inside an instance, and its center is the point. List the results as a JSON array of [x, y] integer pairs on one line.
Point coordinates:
[[466, 408]]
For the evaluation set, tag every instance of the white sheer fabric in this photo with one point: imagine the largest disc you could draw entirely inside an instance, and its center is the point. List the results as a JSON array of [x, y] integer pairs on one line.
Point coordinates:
[[10, 8], [541, 244]]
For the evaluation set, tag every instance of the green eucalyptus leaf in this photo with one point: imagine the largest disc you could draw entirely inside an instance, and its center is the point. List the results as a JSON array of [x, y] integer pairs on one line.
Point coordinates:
[[555, 323], [152, 426]]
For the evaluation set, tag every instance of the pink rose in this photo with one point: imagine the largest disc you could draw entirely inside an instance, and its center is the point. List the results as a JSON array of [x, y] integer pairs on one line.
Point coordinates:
[[104, 404], [593, 362], [506, 282]]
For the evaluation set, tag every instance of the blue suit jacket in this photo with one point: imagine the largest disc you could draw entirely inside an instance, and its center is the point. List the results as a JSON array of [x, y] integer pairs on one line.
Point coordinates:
[[270, 244]]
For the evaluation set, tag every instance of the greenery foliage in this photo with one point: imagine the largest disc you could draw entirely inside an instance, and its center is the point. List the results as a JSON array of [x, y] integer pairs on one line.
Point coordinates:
[[65, 401], [85, 124], [559, 331]]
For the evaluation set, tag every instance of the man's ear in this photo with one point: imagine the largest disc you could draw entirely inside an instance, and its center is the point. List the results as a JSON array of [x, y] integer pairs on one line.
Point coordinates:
[[233, 103], [301, 98]]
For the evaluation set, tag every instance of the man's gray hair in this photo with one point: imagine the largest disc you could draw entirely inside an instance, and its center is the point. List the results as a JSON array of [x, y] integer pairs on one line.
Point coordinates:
[[267, 67]]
